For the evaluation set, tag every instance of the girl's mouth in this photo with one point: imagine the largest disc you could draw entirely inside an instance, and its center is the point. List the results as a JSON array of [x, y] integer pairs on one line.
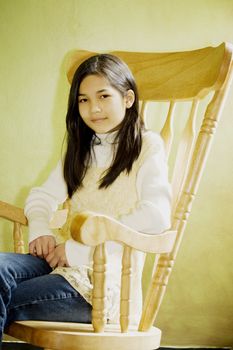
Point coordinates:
[[98, 120]]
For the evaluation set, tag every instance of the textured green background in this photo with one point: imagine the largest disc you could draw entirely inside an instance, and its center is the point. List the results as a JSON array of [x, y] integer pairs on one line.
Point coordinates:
[[35, 36]]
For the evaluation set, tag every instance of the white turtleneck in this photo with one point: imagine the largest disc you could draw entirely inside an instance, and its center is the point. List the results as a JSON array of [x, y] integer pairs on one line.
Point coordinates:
[[152, 214]]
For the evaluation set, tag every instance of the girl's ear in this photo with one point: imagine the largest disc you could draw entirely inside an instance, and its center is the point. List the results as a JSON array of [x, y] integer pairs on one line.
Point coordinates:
[[129, 98]]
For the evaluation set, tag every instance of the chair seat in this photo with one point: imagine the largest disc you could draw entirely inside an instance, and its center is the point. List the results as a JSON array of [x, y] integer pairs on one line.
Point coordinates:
[[77, 336]]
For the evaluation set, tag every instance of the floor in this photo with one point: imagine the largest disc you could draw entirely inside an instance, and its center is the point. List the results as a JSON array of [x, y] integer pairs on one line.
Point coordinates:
[[22, 346], [18, 346]]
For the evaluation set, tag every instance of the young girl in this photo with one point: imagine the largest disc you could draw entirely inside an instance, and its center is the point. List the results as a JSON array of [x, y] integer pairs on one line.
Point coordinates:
[[112, 166]]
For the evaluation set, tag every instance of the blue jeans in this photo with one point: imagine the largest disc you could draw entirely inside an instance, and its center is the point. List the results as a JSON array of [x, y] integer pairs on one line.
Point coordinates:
[[29, 292]]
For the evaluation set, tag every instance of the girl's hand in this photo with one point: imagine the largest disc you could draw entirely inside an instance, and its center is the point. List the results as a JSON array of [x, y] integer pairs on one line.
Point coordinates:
[[57, 257], [42, 246]]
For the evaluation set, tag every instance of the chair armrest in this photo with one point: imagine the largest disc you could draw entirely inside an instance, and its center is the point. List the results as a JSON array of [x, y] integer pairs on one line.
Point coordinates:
[[12, 213], [94, 229]]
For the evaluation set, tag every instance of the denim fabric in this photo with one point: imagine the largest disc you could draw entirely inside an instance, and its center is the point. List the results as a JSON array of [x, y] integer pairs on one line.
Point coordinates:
[[28, 291]]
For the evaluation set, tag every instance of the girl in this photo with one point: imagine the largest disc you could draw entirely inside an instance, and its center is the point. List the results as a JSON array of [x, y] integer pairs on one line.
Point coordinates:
[[112, 166]]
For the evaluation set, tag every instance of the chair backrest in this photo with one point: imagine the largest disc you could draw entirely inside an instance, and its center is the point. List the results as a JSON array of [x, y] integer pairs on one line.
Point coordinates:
[[198, 79]]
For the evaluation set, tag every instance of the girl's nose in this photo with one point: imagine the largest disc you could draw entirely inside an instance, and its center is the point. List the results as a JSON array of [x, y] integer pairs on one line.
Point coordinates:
[[95, 107]]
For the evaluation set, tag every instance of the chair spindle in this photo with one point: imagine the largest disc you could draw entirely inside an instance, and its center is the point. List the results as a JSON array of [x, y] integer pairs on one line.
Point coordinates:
[[18, 238], [125, 289], [98, 299], [167, 130], [156, 291], [184, 152], [143, 111]]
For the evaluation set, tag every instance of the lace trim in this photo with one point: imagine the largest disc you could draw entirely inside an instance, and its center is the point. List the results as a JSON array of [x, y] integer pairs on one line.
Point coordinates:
[[80, 279]]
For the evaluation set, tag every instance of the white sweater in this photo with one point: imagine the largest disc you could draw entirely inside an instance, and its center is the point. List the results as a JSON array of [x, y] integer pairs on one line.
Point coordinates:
[[152, 214]]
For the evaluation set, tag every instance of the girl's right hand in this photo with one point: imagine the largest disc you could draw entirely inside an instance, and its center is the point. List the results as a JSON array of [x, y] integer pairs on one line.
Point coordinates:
[[42, 246]]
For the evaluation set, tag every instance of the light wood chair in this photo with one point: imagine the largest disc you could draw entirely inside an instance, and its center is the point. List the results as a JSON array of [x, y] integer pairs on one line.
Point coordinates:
[[171, 78]]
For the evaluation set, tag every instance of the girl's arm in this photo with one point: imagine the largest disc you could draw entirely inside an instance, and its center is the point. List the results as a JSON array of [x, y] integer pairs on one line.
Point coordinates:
[[43, 201], [153, 211], [40, 205]]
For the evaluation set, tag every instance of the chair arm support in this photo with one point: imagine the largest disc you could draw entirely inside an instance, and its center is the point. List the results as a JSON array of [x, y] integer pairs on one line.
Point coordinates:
[[94, 229], [12, 213]]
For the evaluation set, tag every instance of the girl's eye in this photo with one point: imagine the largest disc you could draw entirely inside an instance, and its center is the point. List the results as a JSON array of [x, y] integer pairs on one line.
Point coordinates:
[[82, 100], [104, 96]]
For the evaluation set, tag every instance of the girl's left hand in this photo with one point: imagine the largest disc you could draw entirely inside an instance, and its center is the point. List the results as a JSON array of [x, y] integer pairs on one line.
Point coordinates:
[[57, 257]]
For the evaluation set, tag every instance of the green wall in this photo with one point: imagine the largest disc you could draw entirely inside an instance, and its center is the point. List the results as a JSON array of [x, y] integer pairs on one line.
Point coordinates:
[[35, 36]]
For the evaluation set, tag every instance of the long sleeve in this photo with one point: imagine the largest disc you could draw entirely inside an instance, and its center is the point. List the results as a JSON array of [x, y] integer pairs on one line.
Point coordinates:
[[40, 205], [43, 201], [152, 214]]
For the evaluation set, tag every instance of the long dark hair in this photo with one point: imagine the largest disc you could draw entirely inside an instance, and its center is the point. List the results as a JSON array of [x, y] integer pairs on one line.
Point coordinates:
[[79, 135]]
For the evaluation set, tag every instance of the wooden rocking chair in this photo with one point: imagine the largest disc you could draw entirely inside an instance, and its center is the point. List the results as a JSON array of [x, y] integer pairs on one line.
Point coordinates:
[[171, 78]]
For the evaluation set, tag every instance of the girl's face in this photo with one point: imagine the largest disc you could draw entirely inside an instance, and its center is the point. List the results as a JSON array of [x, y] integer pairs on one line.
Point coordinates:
[[101, 106]]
